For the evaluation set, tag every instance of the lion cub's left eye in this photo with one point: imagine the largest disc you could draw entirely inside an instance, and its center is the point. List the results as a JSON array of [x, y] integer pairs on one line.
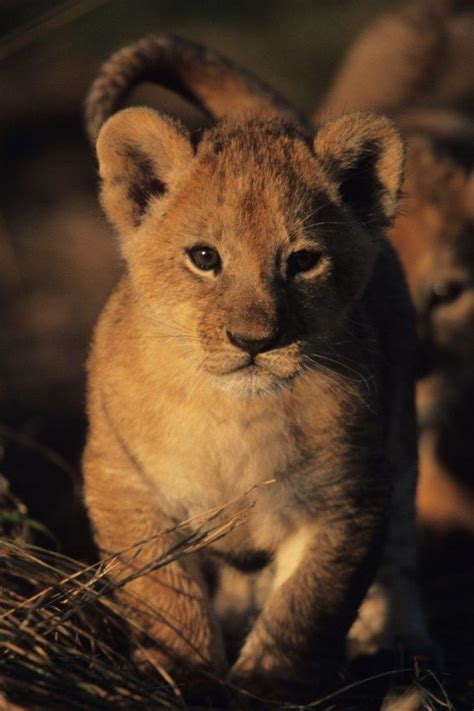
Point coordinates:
[[205, 258], [302, 261]]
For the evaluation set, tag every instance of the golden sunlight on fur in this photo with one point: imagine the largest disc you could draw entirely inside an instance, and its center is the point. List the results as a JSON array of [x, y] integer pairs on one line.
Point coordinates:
[[257, 351]]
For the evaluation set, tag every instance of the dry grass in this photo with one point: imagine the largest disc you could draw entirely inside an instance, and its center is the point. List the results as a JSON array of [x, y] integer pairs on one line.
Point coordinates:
[[63, 640], [65, 644]]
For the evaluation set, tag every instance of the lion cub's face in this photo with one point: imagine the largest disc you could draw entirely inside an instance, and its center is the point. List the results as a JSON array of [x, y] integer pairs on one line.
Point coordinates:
[[247, 250], [434, 237]]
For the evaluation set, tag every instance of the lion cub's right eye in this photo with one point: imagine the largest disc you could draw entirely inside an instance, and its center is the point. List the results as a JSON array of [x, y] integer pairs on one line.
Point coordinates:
[[205, 258]]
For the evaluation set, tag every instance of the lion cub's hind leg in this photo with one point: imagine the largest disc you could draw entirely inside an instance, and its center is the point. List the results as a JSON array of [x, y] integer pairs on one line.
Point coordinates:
[[391, 616]]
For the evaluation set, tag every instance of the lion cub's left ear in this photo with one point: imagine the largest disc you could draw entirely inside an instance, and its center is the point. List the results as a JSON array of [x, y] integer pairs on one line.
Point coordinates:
[[363, 155], [141, 157]]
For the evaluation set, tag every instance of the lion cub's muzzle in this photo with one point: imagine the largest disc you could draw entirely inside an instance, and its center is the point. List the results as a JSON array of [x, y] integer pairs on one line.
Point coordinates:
[[257, 345], [264, 347], [271, 360]]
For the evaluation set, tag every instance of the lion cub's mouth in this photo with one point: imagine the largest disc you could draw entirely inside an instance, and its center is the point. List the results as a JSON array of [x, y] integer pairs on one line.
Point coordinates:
[[277, 370], [250, 366], [256, 373]]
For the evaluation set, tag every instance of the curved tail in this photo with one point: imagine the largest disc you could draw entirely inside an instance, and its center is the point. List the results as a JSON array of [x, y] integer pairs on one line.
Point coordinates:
[[204, 77], [421, 55]]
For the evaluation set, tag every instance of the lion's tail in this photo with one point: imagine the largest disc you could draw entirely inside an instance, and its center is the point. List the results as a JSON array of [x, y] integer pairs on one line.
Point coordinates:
[[422, 55], [204, 77]]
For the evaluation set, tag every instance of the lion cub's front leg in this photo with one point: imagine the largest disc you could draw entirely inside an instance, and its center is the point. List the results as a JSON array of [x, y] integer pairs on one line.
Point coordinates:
[[169, 604], [322, 572]]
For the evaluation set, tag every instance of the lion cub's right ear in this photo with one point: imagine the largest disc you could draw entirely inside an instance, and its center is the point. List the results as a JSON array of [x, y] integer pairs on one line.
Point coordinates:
[[141, 156]]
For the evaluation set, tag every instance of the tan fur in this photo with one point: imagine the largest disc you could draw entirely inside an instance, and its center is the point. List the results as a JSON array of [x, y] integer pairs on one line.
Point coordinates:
[[214, 84], [183, 421], [414, 62]]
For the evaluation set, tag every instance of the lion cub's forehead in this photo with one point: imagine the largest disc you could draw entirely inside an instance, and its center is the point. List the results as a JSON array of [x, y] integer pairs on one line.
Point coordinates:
[[264, 176], [260, 153]]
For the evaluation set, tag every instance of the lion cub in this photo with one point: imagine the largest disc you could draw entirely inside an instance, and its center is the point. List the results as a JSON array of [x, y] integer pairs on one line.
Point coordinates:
[[262, 334]]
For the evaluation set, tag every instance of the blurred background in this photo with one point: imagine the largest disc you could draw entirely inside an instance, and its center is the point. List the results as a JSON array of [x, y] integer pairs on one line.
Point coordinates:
[[58, 257]]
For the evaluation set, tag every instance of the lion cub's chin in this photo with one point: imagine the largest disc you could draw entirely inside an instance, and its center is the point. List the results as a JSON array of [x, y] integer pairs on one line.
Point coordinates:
[[253, 381]]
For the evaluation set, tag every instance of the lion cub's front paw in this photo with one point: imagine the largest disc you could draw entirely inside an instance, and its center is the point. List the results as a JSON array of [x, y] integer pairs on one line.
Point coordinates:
[[271, 677], [260, 676]]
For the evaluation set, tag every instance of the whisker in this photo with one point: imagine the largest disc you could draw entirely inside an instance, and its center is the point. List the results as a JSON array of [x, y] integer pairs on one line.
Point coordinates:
[[343, 364], [312, 214], [345, 387], [322, 224], [173, 325]]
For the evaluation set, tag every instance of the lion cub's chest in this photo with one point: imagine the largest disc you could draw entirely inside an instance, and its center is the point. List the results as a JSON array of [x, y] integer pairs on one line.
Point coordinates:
[[206, 459]]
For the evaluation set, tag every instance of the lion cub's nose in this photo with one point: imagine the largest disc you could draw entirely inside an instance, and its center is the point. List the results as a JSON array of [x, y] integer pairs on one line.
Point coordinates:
[[251, 345]]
